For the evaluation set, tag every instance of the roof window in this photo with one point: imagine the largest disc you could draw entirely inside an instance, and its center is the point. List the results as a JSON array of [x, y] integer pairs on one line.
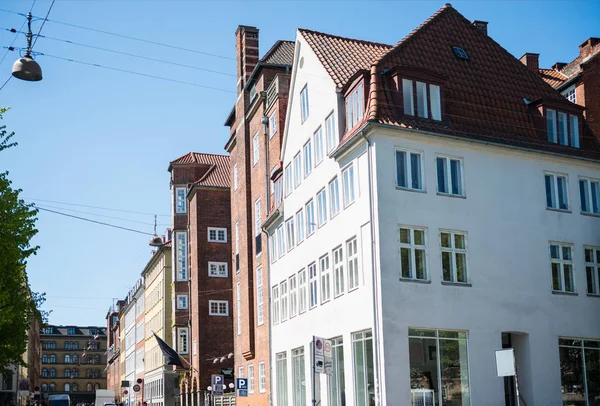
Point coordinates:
[[460, 53]]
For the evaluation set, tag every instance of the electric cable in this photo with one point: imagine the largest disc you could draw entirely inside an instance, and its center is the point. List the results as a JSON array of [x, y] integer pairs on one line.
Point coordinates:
[[95, 214], [5, 83], [43, 22], [95, 207]]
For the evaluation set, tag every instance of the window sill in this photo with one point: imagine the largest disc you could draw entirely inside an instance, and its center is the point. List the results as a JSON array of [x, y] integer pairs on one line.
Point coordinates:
[[415, 280], [407, 189], [353, 289], [560, 292], [349, 204], [464, 284], [593, 295], [585, 213], [451, 195], [558, 210]]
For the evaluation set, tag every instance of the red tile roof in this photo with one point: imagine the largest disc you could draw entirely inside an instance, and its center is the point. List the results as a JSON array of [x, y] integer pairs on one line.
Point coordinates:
[[552, 77], [217, 174]]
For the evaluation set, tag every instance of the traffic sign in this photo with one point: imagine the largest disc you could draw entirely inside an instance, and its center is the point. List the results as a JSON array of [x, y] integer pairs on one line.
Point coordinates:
[[318, 345], [242, 387], [136, 388], [217, 384]]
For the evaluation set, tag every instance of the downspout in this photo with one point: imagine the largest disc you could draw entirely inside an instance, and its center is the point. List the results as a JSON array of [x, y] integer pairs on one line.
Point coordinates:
[[376, 314]]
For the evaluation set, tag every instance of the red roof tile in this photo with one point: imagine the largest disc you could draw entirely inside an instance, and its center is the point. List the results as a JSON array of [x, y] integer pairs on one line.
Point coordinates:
[[217, 174], [553, 77]]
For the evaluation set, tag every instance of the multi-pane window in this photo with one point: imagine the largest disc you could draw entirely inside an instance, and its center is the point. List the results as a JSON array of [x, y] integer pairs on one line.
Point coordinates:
[[281, 241], [300, 226], [427, 105], [250, 378], [449, 176], [440, 375], [338, 272], [287, 181], [262, 377], [589, 192], [218, 308], [322, 207], [562, 128], [454, 256], [217, 234], [364, 379], [592, 269], [273, 124], [570, 94], [304, 111], [334, 196], [557, 193], [298, 378], [293, 296], [277, 192], [283, 306], [310, 218], [181, 252], [182, 340], [409, 169], [561, 262], [237, 247], [579, 371], [297, 169], [352, 258], [290, 233], [217, 269], [302, 291], [180, 200], [355, 106], [319, 146], [257, 228], [182, 302], [273, 246], [255, 148], [240, 372], [238, 304], [275, 309], [313, 286], [260, 305], [281, 379], [336, 382], [332, 137], [308, 158], [348, 185], [413, 250], [325, 270]]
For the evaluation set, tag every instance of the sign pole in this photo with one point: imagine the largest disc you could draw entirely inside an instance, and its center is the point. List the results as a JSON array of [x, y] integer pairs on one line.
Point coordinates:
[[314, 372], [516, 380]]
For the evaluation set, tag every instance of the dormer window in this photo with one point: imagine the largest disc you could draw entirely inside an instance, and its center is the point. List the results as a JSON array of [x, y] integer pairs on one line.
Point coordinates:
[[421, 99], [355, 106], [562, 128]]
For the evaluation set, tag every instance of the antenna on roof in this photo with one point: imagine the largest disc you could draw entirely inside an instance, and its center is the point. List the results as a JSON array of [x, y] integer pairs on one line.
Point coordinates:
[[155, 241]]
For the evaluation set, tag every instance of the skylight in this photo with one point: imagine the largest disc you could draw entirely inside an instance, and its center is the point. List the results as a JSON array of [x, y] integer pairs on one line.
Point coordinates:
[[460, 53]]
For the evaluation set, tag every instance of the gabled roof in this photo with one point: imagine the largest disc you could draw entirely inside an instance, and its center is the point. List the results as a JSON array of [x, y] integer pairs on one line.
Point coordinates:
[[281, 53], [217, 173], [553, 77]]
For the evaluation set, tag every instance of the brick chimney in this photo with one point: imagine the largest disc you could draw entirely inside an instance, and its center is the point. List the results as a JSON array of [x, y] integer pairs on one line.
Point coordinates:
[[587, 48], [482, 25], [246, 45], [558, 66], [532, 61]]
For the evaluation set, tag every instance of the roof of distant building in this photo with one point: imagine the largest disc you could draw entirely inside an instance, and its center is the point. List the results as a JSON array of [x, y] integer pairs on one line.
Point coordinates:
[[79, 330], [553, 77], [281, 53], [217, 174]]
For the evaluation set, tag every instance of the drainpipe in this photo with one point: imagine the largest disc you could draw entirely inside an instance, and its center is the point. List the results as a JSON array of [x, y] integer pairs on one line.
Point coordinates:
[[376, 298]]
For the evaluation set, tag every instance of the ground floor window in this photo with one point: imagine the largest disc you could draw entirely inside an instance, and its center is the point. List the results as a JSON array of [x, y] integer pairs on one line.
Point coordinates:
[[439, 372], [337, 393], [281, 372], [299, 383], [364, 378], [579, 371]]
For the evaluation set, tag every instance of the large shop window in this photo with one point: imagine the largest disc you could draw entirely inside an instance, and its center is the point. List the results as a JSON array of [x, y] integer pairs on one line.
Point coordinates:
[[364, 379], [579, 371]]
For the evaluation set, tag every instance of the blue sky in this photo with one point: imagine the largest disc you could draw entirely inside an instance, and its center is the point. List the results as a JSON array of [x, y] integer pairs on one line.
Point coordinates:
[[97, 137]]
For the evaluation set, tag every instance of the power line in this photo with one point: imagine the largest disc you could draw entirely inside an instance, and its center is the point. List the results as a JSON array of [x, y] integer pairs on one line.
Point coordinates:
[[13, 42], [96, 214], [7, 80], [96, 207], [43, 22]]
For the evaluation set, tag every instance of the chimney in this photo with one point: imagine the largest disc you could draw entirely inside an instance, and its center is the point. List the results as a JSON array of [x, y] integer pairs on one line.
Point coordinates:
[[558, 66], [532, 61], [587, 47], [246, 45], [481, 25]]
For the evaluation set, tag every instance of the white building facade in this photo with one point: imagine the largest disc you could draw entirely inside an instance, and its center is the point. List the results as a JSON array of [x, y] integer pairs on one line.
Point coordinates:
[[419, 254], [134, 333]]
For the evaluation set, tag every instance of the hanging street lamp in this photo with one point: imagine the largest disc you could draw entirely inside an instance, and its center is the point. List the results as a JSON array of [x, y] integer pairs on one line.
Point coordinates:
[[25, 68]]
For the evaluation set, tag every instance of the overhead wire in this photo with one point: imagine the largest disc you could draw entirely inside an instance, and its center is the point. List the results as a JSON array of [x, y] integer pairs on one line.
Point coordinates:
[[95, 207], [96, 214], [43, 22]]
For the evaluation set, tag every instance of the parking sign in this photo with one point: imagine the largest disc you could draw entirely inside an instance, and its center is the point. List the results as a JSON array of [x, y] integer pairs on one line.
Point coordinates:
[[241, 385], [217, 384]]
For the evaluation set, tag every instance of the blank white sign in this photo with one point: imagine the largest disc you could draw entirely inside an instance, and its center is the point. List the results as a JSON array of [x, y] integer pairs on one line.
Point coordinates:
[[505, 362]]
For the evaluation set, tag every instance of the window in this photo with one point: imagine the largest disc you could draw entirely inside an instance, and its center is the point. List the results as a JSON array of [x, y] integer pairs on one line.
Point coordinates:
[[277, 192], [48, 330], [240, 372], [217, 269], [348, 178], [592, 269], [325, 278], [569, 93], [262, 378], [255, 148], [287, 174], [332, 137], [557, 194], [561, 262], [181, 249], [44, 372], [338, 272], [336, 381], [67, 345], [275, 310], [257, 227], [409, 169], [352, 258], [319, 147], [218, 308], [297, 170], [293, 296], [281, 241], [322, 207], [52, 373], [411, 88], [355, 106], [334, 196], [304, 103], [237, 247], [562, 128], [438, 360], [579, 370], [52, 360], [182, 302], [589, 192], [302, 291], [67, 373], [238, 301], [308, 158], [44, 387], [273, 246], [298, 378], [67, 359], [180, 200], [449, 176], [273, 124], [74, 387], [290, 233], [71, 330], [413, 252], [454, 256], [460, 53], [313, 285], [53, 387], [250, 378], [260, 305], [283, 306], [300, 226], [235, 177], [364, 381], [310, 218], [217, 234], [67, 387]]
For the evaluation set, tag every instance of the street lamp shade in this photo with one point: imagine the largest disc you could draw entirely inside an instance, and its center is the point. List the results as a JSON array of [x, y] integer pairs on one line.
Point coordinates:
[[25, 68], [156, 241]]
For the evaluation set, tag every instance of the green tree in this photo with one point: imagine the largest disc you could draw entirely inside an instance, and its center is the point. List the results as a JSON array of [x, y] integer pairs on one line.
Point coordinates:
[[18, 304]]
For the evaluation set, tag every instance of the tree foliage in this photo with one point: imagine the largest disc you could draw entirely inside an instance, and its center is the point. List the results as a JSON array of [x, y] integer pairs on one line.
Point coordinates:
[[18, 304]]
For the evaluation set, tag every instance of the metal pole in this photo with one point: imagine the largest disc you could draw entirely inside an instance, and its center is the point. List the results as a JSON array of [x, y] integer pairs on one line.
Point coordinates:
[[516, 379], [314, 372]]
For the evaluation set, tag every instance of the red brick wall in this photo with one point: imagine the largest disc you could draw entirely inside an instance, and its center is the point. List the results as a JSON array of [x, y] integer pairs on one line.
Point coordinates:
[[591, 96]]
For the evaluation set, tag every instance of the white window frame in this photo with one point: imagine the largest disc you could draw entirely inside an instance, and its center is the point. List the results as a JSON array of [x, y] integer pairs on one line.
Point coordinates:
[[334, 197], [178, 209], [238, 305], [304, 105], [319, 146], [288, 179], [299, 226], [217, 230], [235, 176], [281, 243], [453, 251], [348, 185], [275, 310], [182, 302], [555, 202], [302, 291], [273, 124], [293, 296], [297, 169], [408, 170], [273, 246], [449, 177], [215, 268], [411, 247], [181, 261], [250, 378], [352, 264], [322, 213], [260, 299], [313, 286], [570, 94], [355, 106], [218, 303], [240, 372], [331, 132], [182, 345], [262, 377], [311, 226], [562, 263], [290, 234], [592, 269], [325, 278], [256, 148], [339, 275], [587, 195], [283, 297], [308, 158]]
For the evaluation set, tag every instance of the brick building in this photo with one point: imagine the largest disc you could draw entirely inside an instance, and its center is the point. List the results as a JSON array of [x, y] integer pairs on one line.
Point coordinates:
[[202, 318], [256, 123], [113, 347]]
